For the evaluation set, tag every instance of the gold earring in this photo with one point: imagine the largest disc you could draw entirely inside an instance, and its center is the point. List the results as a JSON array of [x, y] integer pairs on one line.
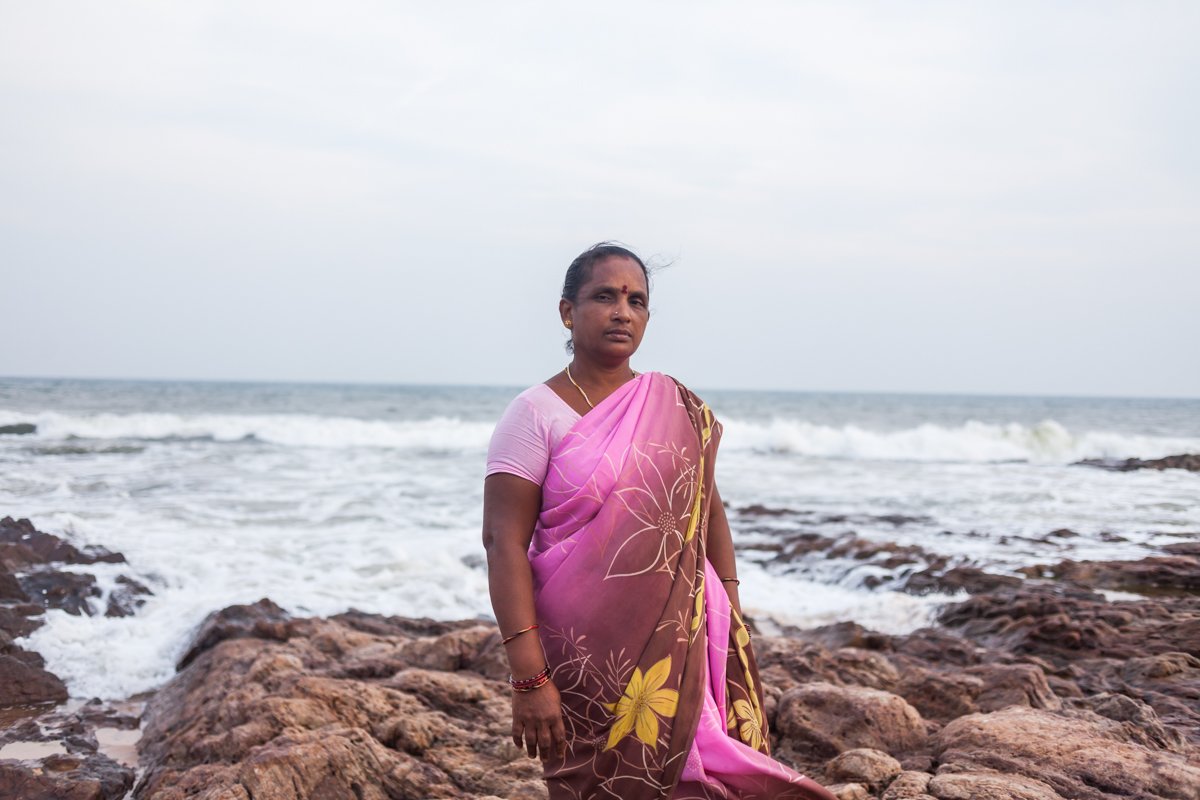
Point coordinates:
[[567, 323]]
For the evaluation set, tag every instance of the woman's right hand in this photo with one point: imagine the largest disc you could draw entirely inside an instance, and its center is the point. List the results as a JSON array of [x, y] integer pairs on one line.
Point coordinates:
[[537, 719]]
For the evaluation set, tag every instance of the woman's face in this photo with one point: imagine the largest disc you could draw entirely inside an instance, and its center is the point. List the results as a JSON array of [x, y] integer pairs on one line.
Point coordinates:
[[610, 312]]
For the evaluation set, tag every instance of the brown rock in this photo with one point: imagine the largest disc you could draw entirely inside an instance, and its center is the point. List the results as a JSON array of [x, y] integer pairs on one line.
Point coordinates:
[[989, 786], [794, 661], [824, 720], [1151, 575], [858, 667], [849, 791], [948, 693], [335, 763], [1190, 462], [262, 620], [22, 683], [10, 588], [1005, 685], [908, 785], [95, 777], [758, 510], [957, 579], [127, 598], [1142, 724], [937, 646], [1064, 624], [864, 765], [24, 545], [940, 695], [1076, 753], [20, 620], [69, 591], [843, 634], [1169, 683], [330, 708]]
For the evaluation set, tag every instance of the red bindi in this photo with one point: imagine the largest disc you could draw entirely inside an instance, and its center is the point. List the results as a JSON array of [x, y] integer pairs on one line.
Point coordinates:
[[624, 288]]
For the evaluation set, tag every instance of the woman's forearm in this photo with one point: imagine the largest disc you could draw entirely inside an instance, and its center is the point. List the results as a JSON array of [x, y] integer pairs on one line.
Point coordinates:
[[720, 548], [510, 584], [510, 507]]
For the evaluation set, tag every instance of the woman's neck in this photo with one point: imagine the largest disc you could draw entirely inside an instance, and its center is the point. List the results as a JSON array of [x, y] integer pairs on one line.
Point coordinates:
[[604, 378]]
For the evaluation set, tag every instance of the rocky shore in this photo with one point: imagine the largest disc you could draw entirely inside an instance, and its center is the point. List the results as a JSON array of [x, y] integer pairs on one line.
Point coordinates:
[[1036, 687], [51, 747]]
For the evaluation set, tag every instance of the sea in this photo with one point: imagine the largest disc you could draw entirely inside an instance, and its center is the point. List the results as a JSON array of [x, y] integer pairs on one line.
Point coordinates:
[[329, 497]]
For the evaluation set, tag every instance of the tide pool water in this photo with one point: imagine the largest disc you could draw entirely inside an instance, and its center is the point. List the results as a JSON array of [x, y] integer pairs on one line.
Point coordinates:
[[329, 497]]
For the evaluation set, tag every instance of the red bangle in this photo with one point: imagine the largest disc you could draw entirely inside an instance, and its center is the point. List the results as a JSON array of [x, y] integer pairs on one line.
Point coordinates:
[[529, 684]]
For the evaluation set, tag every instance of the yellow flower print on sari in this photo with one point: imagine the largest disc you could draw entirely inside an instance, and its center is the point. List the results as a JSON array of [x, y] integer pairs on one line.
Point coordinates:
[[642, 704], [751, 728]]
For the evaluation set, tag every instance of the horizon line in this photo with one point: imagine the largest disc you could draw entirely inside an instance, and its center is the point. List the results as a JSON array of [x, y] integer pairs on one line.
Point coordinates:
[[420, 384]]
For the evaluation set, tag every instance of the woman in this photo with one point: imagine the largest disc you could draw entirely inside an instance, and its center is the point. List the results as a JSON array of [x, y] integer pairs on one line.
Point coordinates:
[[612, 571]]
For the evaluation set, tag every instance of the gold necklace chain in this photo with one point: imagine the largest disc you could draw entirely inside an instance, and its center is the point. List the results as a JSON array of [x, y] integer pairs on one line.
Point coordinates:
[[586, 399], [580, 388]]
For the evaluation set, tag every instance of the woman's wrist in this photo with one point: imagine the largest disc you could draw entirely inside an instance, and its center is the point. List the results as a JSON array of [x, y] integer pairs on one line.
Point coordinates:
[[525, 655], [731, 590]]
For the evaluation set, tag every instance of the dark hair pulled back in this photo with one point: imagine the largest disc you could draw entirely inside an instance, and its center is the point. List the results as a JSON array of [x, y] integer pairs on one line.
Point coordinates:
[[580, 271]]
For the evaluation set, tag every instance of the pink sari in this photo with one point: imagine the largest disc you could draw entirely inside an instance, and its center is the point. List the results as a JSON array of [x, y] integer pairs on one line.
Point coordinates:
[[659, 685]]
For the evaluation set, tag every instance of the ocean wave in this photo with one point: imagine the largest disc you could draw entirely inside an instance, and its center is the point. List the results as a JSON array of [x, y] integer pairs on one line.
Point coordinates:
[[1045, 442], [436, 434]]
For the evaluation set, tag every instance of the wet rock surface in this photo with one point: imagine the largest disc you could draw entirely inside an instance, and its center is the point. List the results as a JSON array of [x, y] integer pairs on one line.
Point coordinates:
[[1188, 461], [22, 545], [49, 750], [31, 581], [59, 753], [354, 706], [1029, 688], [888, 565], [1177, 573], [999, 703]]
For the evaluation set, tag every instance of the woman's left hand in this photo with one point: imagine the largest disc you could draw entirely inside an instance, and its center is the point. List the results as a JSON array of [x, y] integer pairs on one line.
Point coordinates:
[[537, 719]]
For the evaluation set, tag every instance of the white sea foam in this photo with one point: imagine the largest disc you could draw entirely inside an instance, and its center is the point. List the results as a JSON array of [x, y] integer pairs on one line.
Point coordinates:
[[789, 600], [194, 571], [298, 430], [1047, 442]]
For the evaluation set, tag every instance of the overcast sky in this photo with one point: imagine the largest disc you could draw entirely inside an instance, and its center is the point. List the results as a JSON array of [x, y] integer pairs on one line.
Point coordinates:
[[944, 197]]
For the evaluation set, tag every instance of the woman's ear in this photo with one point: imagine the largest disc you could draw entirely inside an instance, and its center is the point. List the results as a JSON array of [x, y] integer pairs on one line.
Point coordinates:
[[564, 312]]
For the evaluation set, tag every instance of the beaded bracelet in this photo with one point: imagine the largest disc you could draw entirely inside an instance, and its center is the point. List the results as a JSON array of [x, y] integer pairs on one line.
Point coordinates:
[[529, 684], [508, 639]]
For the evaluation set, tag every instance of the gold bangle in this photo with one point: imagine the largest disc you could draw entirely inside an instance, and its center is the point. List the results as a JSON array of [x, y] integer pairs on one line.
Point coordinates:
[[508, 639], [734, 581]]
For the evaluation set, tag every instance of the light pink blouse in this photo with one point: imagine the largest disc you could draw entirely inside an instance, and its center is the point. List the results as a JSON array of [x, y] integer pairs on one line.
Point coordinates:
[[530, 428]]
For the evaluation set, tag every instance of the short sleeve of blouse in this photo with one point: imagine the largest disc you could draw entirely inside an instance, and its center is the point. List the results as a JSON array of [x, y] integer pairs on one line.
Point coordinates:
[[520, 444]]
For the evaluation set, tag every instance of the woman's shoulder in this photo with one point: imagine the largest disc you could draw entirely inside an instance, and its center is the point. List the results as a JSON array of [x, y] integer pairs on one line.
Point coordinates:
[[539, 407], [684, 391], [529, 404], [533, 394]]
